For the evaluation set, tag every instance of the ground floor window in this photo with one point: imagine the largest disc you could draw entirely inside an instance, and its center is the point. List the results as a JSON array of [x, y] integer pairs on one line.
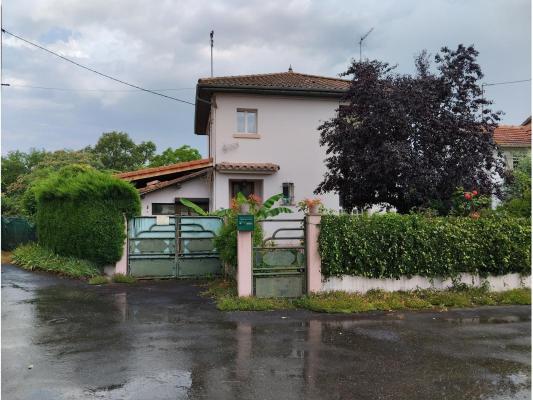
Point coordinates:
[[246, 187], [163, 208], [177, 208], [288, 193]]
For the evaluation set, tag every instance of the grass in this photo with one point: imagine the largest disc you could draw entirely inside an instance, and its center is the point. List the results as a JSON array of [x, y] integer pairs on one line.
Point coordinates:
[[32, 256], [6, 257], [98, 280], [122, 278], [224, 293]]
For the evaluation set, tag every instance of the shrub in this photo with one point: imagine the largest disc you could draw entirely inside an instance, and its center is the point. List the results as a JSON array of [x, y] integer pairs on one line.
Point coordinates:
[[98, 280], [80, 213], [226, 239], [122, 278], [394, 245], [35, 257]]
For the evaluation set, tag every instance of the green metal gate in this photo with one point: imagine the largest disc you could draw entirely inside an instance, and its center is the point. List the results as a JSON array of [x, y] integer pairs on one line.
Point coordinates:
[[279, 266], [181, 247]]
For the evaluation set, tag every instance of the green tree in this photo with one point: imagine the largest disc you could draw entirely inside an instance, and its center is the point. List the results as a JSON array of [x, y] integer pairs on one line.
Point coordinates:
[[118, 152], [517, 190], [173, 156], [17, 199], [17, 163]]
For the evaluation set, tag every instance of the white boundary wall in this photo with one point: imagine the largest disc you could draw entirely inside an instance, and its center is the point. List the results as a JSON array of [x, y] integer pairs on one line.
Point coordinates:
[[362, 285]]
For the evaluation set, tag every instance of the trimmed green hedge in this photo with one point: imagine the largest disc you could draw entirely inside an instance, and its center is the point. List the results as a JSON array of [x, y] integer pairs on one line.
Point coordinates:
[[80, 213], [393, 245]]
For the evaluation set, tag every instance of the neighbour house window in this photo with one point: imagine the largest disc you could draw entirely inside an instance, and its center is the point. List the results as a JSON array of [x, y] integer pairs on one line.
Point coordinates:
[[516, 160], [288, 193], [246, 121], [163, 208]]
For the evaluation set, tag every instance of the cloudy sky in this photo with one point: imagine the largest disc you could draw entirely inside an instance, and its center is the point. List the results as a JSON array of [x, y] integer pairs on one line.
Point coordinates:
[[165, 45]]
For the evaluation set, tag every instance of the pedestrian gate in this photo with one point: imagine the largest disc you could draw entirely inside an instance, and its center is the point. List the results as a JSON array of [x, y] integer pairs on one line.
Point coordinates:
[[279, 268], [173, 247]]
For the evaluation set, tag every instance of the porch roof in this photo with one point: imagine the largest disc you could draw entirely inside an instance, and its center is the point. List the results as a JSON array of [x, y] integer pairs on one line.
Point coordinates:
[[161, 185], [247, 168]]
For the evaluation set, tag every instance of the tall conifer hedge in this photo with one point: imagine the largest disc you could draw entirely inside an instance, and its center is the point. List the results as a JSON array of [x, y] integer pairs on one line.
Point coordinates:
[[80, 213]]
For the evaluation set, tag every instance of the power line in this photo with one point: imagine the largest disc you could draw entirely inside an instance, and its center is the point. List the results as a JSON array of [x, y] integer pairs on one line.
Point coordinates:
[[90, 90], [94, 71], [506, 83]]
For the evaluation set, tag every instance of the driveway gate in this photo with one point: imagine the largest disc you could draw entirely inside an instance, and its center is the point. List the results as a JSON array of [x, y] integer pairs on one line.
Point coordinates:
[[181, 247], [279, 263]]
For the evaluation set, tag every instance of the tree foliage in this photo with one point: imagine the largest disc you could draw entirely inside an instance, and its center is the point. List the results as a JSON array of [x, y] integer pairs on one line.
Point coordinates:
[[173, 156], [118, 152], [517, 190], [410, 140]]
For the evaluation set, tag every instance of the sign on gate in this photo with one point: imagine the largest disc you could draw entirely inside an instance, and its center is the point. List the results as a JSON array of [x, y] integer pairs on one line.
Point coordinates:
[[245, 223]]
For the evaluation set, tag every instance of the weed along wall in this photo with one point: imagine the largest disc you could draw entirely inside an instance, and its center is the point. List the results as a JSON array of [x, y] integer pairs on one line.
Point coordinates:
[[405, 252], [80, 213]]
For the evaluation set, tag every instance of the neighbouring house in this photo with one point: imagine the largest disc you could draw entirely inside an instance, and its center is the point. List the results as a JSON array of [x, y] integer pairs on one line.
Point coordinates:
[[514, 141]]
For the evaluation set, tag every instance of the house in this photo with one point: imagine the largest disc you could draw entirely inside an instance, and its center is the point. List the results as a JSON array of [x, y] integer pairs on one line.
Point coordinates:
[[262, 134], [514, 142], [263, 139]]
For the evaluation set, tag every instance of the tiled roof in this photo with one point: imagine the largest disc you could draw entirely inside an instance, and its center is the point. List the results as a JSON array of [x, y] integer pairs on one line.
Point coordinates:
[[513, 136], [181, 179], [166, 170], [280, 80], [247, 168]]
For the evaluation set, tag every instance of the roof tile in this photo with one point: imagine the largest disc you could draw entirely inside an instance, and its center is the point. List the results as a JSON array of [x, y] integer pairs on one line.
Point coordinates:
[[513, 136]]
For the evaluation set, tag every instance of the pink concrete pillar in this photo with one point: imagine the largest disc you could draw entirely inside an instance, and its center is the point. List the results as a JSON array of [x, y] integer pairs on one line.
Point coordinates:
[[314, 275], [121, 267], [244, 263]]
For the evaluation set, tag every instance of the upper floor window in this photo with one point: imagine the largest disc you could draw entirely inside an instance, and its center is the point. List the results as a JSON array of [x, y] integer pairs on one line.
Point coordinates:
[[246, 121]]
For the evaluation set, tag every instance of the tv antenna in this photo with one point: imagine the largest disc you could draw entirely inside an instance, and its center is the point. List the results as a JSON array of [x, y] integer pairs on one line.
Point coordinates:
[[211, 36], [361, 43]]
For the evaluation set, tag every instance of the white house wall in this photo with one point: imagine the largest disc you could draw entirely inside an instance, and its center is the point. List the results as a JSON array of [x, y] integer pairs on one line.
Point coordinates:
[[288, 137], [197, 188]]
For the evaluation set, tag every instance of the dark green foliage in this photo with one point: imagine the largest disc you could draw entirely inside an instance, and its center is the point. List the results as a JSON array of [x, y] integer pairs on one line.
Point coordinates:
[[394, 245], [226, 239], [80, 213], [173, 156], [35, 257], [518, 190], [118, 152]]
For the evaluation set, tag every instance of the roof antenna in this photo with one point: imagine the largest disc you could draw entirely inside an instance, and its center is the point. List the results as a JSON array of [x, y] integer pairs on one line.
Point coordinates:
[[290, 67], [361, 43], [211, 36]]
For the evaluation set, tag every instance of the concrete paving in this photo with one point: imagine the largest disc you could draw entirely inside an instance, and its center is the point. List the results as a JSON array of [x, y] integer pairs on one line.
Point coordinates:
[[63, 339]]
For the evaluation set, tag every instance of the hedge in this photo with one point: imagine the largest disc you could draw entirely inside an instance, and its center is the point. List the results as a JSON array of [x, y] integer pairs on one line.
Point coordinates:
[[393, 245], [80, 213]]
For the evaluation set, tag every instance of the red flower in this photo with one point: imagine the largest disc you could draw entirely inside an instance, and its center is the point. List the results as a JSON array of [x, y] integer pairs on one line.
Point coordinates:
[[474, 193], [468, 196]]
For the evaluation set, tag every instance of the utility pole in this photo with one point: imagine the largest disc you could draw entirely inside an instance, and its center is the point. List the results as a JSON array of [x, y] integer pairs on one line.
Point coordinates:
[[361, 44], [211, 35]]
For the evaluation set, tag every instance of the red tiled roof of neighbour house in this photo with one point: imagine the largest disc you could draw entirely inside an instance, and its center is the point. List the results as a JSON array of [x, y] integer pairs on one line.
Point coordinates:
[[165, 170], [281, 83], [513, 136], [247, 168], [160, 185]]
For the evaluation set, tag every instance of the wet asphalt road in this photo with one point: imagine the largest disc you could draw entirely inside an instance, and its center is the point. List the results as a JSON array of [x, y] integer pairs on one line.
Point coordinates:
[[160, 340]]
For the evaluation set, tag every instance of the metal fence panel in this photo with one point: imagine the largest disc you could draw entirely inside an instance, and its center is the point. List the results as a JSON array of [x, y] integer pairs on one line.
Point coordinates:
[[17, 231]]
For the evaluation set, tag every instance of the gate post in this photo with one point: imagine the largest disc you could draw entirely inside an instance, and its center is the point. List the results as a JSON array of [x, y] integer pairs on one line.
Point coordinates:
[[244, 263], [121, 266], [314, 274]]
